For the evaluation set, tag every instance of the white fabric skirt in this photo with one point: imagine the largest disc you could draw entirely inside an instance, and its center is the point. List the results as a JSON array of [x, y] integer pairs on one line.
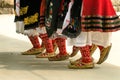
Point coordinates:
[[89, 38]]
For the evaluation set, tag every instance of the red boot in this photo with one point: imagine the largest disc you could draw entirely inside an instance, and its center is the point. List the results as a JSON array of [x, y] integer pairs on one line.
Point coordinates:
[[49, 47], [36, 49], [63, 55], [75, 50], [85, 62]]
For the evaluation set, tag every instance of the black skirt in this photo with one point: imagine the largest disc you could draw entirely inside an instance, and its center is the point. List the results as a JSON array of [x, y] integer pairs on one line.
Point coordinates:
[[55, 15], [74, 27]]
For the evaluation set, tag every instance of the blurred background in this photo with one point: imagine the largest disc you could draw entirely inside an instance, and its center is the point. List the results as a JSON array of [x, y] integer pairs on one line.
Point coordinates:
[[6, 6]]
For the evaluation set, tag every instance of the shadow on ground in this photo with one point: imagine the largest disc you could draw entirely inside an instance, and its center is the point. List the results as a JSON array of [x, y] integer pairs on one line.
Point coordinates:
[[15, 61]]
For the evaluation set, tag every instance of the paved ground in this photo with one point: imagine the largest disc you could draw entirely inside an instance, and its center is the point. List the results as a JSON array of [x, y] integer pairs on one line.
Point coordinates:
[[14, 66]]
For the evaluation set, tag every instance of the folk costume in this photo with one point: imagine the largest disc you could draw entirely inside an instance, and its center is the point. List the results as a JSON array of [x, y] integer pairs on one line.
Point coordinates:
[[23, 23], [49, 44], [55, 13], [97, 20]]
